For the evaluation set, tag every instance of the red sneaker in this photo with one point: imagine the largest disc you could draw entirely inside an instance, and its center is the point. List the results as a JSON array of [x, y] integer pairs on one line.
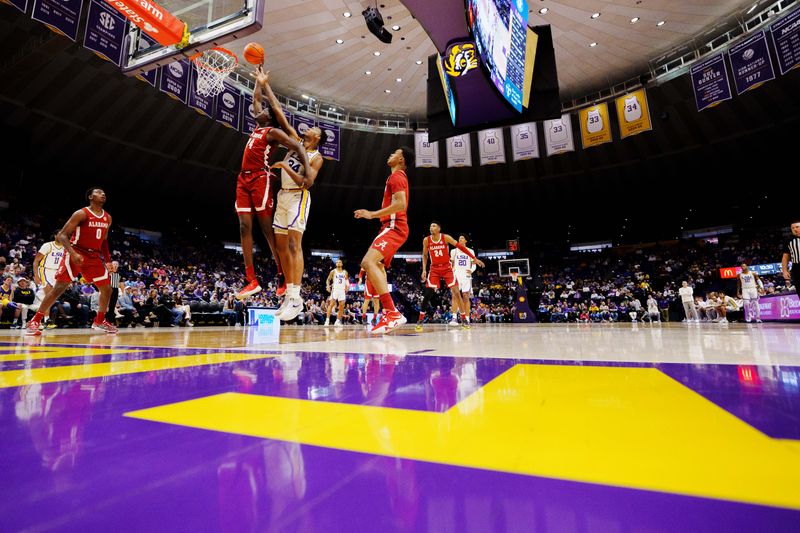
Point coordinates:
[[281, 288], [33, 328], [389, 321], [250, 289], [105, 326]]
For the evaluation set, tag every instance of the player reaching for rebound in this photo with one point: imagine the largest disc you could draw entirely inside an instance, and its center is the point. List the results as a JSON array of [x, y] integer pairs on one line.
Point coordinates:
[[291, 215], [85, 237], [394, 232], [750, 287], [463, 266], [436, 245], [337, 283], [254, 183]]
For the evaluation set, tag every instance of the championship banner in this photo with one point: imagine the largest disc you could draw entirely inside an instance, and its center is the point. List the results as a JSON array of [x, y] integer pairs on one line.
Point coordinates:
[[175, 80], [491, 146], [202, 104], [524, 141], [248, 114], [61, 16], [151, 76], [330, 149], [595, 126], [105, 32], [459, 151], [228, 103], [154, 20], [751, 63], [427, 152], [710, 82], [633, 113], [558, 135], [301, 124], [786, 37], [22, 5]]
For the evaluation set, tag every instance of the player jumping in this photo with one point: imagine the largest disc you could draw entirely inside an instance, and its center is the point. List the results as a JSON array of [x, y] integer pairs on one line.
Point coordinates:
[[85, 237], [254, 184], [394, 232], [435, 245], [291, 215], [337, 287], [750, 287]]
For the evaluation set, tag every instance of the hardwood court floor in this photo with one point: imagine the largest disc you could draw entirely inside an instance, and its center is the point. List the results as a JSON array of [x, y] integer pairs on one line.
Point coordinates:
[[623, 427]]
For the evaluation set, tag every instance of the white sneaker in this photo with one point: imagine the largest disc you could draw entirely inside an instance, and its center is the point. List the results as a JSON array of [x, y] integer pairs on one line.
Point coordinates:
[[327, 322], [453, 322], [723, 321], [294, 306], [758, 321], [282, 307], [338, 323]]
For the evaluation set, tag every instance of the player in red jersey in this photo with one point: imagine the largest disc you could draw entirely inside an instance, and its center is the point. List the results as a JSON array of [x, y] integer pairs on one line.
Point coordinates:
[[394, 232], [85, 238], [436, 245], [254, 184]]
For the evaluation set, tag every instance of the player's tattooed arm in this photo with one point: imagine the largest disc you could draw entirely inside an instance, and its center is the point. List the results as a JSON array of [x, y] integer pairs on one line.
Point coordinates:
[[68, 229]]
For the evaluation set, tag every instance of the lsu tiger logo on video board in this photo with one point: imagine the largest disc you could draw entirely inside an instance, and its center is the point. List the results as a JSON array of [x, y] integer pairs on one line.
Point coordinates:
[[460, 59]]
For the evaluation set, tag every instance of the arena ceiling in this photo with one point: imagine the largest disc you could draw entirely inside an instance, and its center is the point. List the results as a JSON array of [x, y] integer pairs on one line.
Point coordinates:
[[300, 38]]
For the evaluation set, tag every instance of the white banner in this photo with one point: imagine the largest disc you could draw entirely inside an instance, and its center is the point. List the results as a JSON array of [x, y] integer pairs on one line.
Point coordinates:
[[491, 146], [558, 135], [427, 152], [524, 141], [459, 151]]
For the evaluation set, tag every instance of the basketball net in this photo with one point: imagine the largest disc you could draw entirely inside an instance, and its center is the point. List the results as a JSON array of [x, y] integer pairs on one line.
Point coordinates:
[[212, 67], [514, 276]]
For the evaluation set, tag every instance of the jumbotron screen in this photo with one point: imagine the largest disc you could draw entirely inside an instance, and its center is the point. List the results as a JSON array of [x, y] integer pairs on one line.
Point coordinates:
[[499, 28]]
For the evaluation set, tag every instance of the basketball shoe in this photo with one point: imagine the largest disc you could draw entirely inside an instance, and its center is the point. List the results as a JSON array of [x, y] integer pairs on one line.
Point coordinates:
[[33, 328], [105, 326], [294, 306], [390, 320], [248, 290], [281, 286]]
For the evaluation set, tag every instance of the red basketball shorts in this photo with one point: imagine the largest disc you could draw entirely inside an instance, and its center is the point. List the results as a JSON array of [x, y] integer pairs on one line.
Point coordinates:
[[369, 290], [254, 193], [92, 269], [438, 274], [388, 241]]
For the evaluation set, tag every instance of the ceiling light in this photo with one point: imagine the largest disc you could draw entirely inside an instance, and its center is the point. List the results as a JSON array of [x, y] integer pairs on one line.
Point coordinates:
[[332, 108], [752, 8], [339, 41], [595, 15], [387, 91], [543, 11], [418, 61], [367, 72], [304, 96], [396, 27], [634, 20], [347, 14], [661, 23], [399, 80], [592, 44], [376, 53]]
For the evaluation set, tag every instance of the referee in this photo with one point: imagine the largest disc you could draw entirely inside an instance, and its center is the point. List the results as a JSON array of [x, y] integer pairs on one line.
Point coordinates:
[[112, 303], [793, 253]]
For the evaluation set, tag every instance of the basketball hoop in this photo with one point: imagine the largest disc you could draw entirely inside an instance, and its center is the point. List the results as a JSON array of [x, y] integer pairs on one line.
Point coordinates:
[[514, 276], [213, 66]]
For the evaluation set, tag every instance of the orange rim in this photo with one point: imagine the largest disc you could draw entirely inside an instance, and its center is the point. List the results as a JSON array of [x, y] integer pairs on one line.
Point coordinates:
[[197, 56]]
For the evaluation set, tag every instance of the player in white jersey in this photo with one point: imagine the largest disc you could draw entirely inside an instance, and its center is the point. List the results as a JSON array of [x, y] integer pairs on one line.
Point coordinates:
[[291, 215], [750, 287], [45, 266], [337, 285], [463, 266]]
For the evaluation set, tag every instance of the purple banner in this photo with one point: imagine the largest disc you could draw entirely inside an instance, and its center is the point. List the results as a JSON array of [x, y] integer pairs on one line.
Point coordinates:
[[778, 307], [786, 36], [151, 76], [105, 32], [330, 149], [62, 16], [229, 101], [202, 104], [248, 122], [175, 79], [710, 82], [751, 63], [302, 124], [22, 5]]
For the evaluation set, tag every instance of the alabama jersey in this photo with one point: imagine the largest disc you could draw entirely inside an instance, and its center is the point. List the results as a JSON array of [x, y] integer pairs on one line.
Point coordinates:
[[749, 286], [339, 285], [52, 253], [397, 182], [258, 152], [441, 270], [90, 234]]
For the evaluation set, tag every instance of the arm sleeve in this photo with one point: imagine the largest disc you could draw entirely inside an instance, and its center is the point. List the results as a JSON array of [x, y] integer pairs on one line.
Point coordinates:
[[104, 251]]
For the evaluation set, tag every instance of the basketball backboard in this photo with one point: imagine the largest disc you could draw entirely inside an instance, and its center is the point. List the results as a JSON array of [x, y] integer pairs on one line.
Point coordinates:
[[210, 22], [520, 266]]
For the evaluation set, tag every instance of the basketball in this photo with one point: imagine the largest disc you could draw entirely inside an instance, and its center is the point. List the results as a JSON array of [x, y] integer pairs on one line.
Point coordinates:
[[254, 53]]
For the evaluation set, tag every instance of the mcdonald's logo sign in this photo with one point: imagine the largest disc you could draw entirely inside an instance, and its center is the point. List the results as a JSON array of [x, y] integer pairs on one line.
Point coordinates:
[[729, 272]]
